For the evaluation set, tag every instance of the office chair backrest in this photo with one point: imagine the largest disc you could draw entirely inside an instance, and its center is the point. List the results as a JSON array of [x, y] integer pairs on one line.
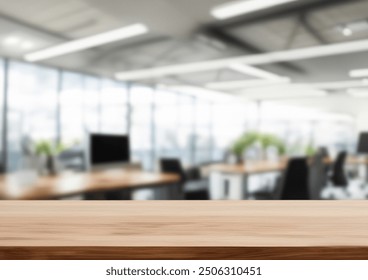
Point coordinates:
[[172, 165], [317, 177], [338, 177], [294, 183]]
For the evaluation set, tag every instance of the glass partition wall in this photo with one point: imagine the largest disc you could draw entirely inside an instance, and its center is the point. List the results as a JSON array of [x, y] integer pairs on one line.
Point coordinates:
[[2, 130], [114, 107], [203, 132], [141, 125], [61, 106], [32, 99], [72, 108]]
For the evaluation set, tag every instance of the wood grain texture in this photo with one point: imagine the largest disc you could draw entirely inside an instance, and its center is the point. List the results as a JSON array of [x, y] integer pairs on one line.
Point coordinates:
[[54, 187], [184, 230]]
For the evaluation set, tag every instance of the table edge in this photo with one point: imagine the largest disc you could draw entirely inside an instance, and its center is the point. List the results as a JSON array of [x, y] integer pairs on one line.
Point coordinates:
[[184, 253]]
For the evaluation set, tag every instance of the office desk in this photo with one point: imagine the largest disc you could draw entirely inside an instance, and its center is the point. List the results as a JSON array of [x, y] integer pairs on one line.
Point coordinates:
[[63, 186], [184, 230], [237, 175]]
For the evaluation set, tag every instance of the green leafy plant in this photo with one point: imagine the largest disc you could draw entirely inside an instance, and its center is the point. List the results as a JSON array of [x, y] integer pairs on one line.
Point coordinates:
[[281, 148], [310, 150], [48, 148], [244, 142], [266, 140], [270, 140]]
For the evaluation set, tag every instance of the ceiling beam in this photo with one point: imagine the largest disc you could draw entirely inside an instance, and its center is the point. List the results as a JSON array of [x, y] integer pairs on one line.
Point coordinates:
[[257, 59], [244, 46], [305, 6], [311, 30], [127, 47], [34, 27]]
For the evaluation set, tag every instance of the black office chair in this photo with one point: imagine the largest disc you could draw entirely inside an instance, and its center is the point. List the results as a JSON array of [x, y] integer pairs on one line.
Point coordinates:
[[317, 177], [294, 182], [338, 177], [262, 195], [292, 185], [191, 182]]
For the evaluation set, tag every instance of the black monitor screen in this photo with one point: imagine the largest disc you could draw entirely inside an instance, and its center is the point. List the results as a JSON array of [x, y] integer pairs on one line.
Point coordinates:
[[363, 143], [106, 149]]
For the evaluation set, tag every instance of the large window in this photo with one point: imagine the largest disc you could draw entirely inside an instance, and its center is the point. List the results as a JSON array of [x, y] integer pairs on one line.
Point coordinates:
[[229, 122], [338, 135], [32, 109], [186, 128], [91, 105], [203, 132], [114, 107], [308, 128], [71, 108], [166, 123], [49, 104], [2, 91], [91, 101], [141, 131]]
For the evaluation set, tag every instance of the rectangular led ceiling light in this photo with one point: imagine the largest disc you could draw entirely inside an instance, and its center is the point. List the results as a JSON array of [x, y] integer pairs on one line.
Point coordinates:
[[258, 59], [237, 8], [232, 85], [339, 85], [255, 72], [359, 73], [358, 93], [200, 92], [89, 42], [273, 94]]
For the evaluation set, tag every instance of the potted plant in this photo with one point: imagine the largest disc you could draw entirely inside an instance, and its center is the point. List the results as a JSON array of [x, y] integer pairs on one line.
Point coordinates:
[[270, 140], [47, 153], [243, 144], [266, 141]]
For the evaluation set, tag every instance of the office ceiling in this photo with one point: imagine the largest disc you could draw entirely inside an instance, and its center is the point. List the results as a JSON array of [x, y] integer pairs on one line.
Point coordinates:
[[184, 31]]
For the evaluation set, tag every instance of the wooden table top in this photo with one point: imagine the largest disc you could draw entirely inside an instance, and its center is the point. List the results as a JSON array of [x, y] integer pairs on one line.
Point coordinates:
[[52, 187], [184, 230]]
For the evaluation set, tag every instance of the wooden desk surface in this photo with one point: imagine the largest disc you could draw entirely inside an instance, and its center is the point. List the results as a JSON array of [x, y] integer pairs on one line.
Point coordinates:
[[248, 168], [53, 187], [264, 166], [184, 230]]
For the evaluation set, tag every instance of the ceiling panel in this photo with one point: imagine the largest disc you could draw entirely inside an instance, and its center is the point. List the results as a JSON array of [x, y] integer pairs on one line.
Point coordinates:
[[327, 21], [71, 18], [178, 21]]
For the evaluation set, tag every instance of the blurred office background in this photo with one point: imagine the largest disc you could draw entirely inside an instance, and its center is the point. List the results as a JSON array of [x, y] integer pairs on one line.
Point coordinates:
[[57, 105], [195, 115]]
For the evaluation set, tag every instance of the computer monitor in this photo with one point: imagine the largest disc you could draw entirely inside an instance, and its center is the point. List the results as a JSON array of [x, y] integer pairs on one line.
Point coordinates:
[[363, 143], [108, 151]]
